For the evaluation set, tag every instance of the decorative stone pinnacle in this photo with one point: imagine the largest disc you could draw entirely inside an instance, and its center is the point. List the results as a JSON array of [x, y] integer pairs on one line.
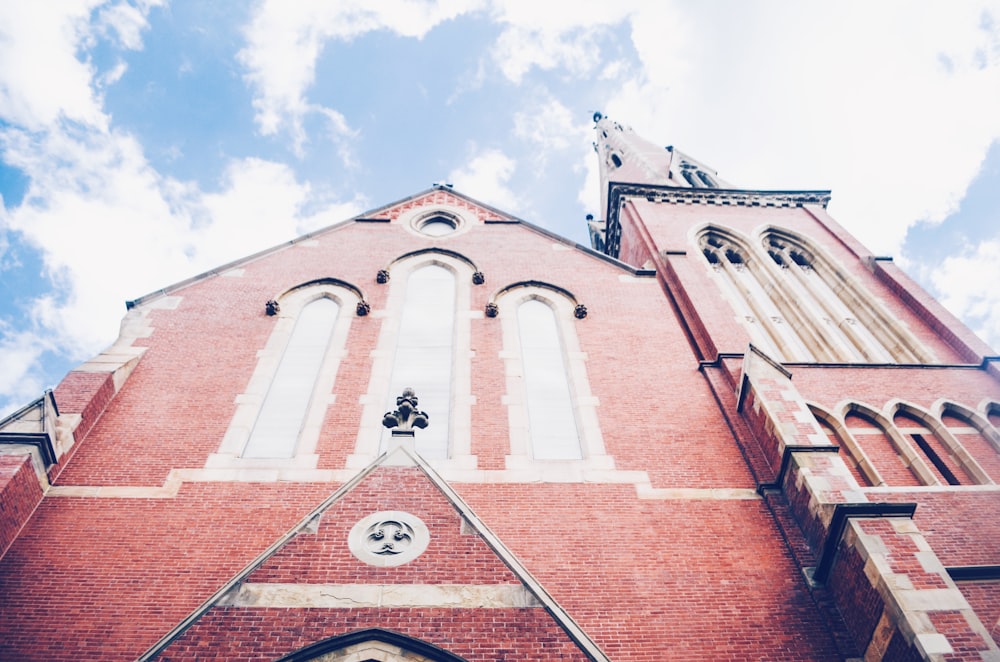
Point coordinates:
[[407, 416]]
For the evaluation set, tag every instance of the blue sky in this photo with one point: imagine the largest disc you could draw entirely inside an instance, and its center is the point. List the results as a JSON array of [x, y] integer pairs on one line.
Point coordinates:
[[143, 142]]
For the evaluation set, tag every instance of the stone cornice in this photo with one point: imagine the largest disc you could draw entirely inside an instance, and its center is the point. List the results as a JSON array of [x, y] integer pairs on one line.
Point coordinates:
[[618, 192]]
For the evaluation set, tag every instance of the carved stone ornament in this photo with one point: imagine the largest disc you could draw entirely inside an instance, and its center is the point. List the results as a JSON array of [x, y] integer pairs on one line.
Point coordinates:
[[388, 538], [407, 416], [363, 308], [271, 307], [580, 311], [492, 310], [478, 278], [382, 277]]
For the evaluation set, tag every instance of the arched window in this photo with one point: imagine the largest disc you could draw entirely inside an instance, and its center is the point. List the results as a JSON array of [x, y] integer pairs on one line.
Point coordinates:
[[551, 422], [425, 353], [975, 435], [771, 320], [855, 458], [555, 433], [282, 414], [424, 343], [939, 458], [850, 324], [873, 438]]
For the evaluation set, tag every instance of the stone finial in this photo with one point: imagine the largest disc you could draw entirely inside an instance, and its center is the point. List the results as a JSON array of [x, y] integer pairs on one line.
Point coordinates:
[[271, 307], [382, 277], [407, 416], [580, 311], [492, 310], [478, 278], [363, 308]]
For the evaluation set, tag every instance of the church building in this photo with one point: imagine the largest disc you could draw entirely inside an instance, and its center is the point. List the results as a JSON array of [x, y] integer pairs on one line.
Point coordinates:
[[439, 432]]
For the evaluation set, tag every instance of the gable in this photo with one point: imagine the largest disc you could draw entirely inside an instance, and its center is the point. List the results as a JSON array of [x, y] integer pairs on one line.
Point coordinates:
[[393, 550]]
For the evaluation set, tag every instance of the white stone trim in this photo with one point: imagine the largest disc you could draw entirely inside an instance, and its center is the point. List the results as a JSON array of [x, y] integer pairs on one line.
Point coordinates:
[[357, 596], [369, 651]]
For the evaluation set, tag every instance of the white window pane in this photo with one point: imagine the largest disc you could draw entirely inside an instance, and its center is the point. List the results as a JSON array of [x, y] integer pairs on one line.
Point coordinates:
[[424, 355], [284, 408], [551, 421]]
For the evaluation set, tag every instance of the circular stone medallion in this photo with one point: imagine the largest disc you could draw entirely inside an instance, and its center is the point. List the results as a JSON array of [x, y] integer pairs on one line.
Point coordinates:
[[388, 538]]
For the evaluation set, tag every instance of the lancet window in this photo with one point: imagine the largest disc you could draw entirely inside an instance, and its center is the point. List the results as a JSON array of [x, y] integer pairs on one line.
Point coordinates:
[[424, 356], [976, 435], [551, 421], [283, 411], [280, 413], [798, 304], [552, 412], [771, 320]]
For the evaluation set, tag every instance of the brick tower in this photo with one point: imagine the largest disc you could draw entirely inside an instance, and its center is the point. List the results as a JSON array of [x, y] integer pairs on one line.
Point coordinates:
[[439, 432]]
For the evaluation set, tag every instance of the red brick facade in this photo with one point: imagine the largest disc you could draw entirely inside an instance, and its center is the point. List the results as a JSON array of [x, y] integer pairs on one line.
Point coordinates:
[[712, 516]]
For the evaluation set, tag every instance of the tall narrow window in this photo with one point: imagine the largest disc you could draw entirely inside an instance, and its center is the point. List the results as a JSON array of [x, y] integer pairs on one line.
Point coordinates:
[[551, 422], [767, 315], [851, 325], [877, 445], [276, 430], [424, 354], [974, 436], [939, 458]]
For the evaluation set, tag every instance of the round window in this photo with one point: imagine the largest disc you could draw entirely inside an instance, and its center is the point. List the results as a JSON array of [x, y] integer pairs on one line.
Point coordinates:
[[437, 226]]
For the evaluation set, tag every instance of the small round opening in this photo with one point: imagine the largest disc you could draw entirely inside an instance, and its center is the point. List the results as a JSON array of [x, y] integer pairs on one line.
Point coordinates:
[[438, 226]]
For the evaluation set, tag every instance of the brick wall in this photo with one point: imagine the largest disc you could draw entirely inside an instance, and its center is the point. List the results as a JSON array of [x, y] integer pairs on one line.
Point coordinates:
[[20, 493]]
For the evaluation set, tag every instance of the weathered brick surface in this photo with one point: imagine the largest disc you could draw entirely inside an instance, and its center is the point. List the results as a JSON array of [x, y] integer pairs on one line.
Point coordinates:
[[709, 594], [984, 596], [20, 493], [476, 635]]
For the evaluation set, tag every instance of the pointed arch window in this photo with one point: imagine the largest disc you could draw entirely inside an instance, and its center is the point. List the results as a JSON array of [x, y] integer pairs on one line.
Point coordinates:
[[282, 414], [796, 303], [555, 433], [975, 435], [889, 458], [846, 320], [425, 353], [552, 425], [772, 321]]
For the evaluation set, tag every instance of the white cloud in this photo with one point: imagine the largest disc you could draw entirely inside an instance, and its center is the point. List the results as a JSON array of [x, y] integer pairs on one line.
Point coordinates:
[[847, 95], [546, 36], [46, 35], [966, 284], [19, 380], [284, 41], [126, 21], [548, 125], [486, 178]]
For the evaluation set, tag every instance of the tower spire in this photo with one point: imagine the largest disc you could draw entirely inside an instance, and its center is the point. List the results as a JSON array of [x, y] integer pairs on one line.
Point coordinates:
[[627, 157]]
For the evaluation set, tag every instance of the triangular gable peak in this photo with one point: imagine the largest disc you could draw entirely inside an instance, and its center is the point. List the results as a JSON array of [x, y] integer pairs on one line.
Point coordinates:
[[394, 549], [446, 199]]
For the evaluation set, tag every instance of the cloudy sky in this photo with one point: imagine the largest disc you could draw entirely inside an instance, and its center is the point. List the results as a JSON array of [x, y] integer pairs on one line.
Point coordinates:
[[143, 142]]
